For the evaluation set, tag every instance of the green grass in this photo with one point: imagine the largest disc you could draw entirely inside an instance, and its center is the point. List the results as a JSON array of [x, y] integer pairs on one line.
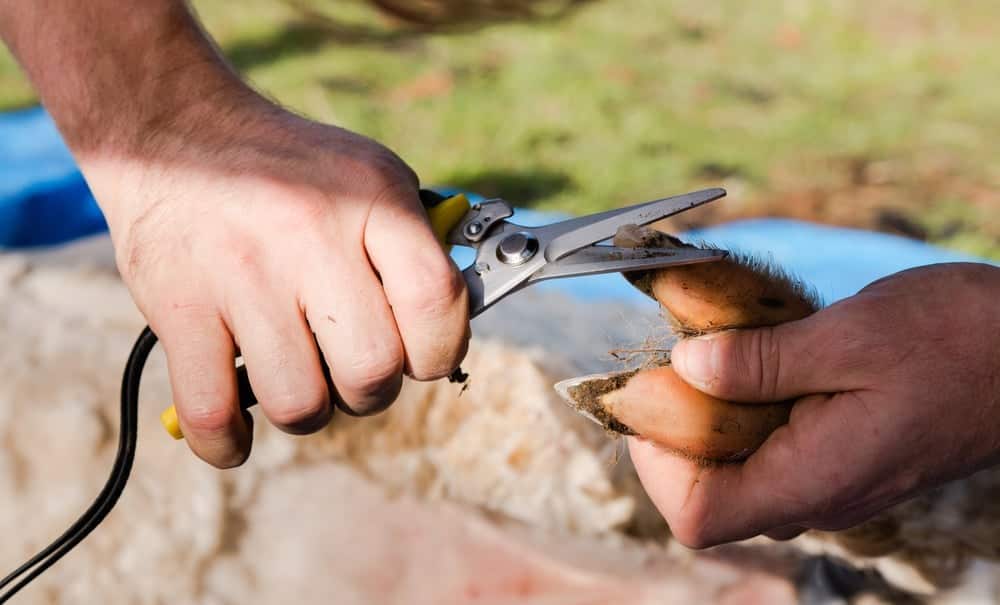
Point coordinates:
[[838, 112]]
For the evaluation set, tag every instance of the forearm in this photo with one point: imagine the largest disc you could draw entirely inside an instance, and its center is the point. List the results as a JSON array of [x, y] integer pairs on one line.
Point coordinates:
[[115, 75]]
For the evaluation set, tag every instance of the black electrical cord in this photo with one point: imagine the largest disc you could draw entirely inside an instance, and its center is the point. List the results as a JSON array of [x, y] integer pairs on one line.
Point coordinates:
[[114, 486]]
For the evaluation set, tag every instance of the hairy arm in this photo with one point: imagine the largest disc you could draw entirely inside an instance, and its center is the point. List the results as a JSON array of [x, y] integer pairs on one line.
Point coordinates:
[[114, 74], [239, 225]]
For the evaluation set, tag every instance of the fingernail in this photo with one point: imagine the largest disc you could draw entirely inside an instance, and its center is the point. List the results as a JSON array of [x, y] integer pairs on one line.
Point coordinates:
[[694, 361]]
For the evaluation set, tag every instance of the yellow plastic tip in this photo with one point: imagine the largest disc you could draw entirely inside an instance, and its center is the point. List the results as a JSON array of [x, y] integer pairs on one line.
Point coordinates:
[[170, 422], [447, 214]]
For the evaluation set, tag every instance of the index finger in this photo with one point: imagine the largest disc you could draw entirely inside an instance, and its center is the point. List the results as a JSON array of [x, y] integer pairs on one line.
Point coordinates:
[[814, 471], [428, 296]]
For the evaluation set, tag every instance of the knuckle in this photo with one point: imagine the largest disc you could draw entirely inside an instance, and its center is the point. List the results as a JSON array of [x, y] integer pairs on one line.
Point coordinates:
[[768, 362], [229, 459], [386, 176], [691, 526], [754, 355], [735, 365], [437, 292], [697, 541], [394, 170], [209, 418], [300, 410], [242, 253], [690, 522], [788, 445], [375, 372], [300, 210], [387, 167], [440, 361]]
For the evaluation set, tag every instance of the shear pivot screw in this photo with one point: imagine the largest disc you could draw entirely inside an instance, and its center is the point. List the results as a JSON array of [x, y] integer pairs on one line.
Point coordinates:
[[474, 228], [517, 248]]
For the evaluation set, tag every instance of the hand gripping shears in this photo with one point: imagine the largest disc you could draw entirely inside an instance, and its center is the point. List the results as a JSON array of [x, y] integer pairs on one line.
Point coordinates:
[[511, 256], [508, 257]]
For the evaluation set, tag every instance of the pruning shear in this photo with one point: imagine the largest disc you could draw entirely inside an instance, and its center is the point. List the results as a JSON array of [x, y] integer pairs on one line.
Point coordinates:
[[510, 257]]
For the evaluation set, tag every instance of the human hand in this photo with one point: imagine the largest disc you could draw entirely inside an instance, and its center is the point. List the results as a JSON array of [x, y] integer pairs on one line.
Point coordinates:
[[242, 227], [898, 391]]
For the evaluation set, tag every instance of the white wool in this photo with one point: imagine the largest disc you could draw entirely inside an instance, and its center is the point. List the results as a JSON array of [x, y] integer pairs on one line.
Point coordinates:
[[506, 443]]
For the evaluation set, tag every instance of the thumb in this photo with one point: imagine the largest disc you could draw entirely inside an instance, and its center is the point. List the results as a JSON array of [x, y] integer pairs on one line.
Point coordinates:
[[759, 365]]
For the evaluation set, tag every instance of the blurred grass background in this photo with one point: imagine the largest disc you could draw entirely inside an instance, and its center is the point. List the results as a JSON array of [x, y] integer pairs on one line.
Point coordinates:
[[882, 115]]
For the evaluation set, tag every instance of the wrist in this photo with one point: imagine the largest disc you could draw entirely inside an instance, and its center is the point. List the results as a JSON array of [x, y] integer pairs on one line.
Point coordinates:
[[138, 101]]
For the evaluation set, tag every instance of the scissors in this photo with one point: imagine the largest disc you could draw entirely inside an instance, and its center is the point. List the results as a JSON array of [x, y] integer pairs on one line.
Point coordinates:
[[510, 257]]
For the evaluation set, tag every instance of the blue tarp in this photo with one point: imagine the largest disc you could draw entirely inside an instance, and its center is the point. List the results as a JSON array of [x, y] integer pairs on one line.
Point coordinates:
[[43, 197], [44, 201]]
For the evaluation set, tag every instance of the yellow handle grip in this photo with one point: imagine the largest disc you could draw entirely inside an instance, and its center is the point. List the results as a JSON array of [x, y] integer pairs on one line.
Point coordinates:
[[171, 423], [446, 214], [443, 214]]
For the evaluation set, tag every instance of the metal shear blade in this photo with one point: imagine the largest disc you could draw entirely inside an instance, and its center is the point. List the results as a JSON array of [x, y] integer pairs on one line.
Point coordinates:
[[510, 256], [595, 260], [566, 237]]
